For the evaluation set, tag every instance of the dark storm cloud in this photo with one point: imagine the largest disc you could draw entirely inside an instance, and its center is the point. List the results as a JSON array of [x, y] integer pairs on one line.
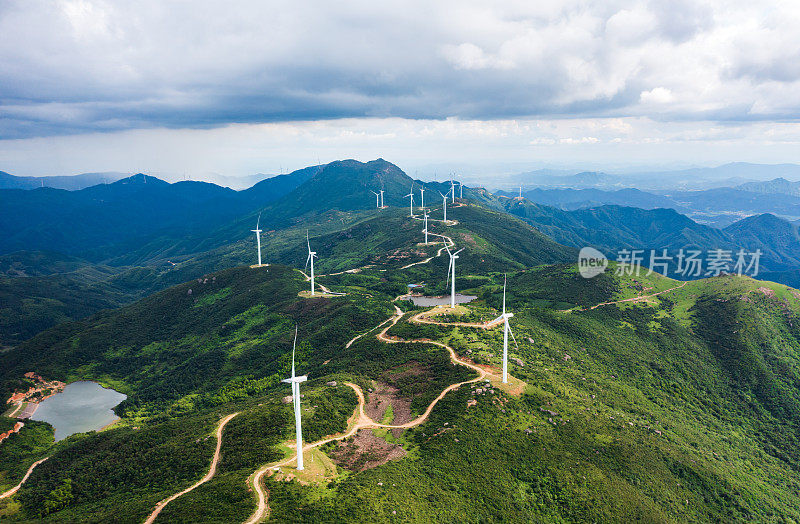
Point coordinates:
[[94, 66]]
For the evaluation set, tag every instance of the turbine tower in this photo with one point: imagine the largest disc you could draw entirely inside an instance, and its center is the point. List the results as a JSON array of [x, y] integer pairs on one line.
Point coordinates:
[[311, 255], [506, 330], [452, 188], [520, 191], [257, 231], [295, 382], [422, 196], [451, 274], [382, 206], [461, 190], [411, 196], [377, 199], [444, 205], [426, 225]]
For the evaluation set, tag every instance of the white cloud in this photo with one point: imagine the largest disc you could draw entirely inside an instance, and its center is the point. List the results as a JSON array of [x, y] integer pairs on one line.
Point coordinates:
[[398, 76], [470, 56], [657, 95]]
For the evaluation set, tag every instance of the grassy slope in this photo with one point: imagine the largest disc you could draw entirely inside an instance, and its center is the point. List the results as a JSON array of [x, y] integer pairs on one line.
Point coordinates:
[[659, 417], [654, 423]]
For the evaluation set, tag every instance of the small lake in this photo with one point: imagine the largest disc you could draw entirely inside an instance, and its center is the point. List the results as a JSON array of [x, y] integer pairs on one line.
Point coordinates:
[[82, 406], [439, 301]]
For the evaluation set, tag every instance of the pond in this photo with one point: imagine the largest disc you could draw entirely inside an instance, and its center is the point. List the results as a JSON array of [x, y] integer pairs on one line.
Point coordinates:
[[439, 301], [82, 406]]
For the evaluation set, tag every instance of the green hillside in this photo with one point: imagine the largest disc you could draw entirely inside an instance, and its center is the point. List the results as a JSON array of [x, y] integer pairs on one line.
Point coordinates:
[[633, 398], [679, 406]]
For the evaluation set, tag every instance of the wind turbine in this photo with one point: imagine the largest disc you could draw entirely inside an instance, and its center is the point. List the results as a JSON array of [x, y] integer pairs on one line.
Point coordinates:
[[377, 199], [461, 190], [257, 231], [506, 330], [295, 382], [452, 188], [520, 191], [444, 204], [451, 274], [422, 196], [382, 206], [411, 196], [311, 255], [425, 214]]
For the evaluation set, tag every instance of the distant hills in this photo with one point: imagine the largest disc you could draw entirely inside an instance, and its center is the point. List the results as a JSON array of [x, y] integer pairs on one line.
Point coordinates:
[[98, 221], [84, 180], [778, 186], [612, 227], [718, 207], [140, 234], [69, 182], [727, 175]]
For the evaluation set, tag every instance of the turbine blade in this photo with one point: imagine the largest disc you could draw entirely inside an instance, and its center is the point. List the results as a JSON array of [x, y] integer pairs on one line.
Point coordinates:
[[504, 293], [307, 259], [294, 346], [258, 221], [459, 251], [308, 241], [513, 337]]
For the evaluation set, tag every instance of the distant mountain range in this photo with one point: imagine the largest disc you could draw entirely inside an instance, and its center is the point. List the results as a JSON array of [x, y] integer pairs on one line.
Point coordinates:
[[84, 180], [727, 175], [68, 182], [92, 221], [141, 234], [611, 228], [718, 207]]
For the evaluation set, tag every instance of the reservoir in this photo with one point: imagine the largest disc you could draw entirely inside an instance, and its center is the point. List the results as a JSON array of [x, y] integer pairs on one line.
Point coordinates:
[[82, 406], [439, 301]]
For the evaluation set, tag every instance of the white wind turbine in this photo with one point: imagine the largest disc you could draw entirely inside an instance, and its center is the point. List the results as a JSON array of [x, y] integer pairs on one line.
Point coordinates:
[[452, 188], [377, 199], [382, 205], [506, 330], [295, 382], [311, 255], [461, 190], [426, 225], [444, 204], [451, 274], [422, 196], [411, 196], [257, 231]]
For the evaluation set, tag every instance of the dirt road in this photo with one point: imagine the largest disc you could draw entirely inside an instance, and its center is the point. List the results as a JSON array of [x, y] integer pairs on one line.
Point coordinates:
[[21, 482], [361, 419], [211, 471], [633, 299]]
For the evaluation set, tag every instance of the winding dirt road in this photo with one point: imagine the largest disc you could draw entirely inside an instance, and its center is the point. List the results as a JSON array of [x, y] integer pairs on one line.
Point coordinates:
[[21, 482], [361, 419], [211, 471], [632, 299]]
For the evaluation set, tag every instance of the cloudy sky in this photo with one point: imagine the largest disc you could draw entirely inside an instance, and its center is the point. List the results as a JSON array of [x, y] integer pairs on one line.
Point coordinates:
[[242, 87]]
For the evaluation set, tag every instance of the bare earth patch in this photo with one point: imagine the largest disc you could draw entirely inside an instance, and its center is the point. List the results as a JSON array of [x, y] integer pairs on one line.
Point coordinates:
[[380, 399], [365, 451]]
